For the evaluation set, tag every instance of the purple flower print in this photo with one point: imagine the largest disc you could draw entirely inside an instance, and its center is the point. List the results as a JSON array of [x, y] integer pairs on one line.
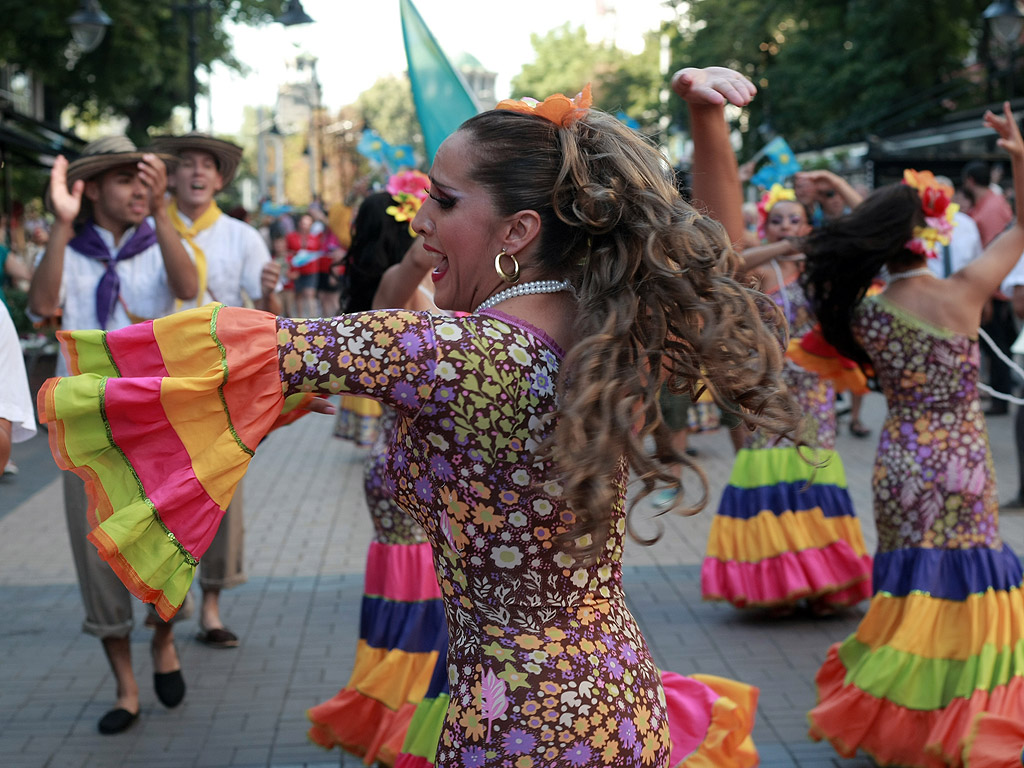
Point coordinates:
[[578, 754], [627, 733], [441, 468], [628, 654], [411, 343], [404, 392], [473, 757], [614, 667], [424, 489], [518, 742]]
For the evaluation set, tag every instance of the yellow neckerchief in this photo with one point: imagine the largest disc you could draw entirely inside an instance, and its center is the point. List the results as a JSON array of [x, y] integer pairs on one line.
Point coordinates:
[[205, 221]]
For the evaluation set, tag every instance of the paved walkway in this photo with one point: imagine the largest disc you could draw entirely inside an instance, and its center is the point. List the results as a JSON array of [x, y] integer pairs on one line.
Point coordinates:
[[298, 618]]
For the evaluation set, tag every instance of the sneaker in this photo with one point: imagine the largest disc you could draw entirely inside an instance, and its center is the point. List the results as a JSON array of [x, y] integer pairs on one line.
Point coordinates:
[[665, 498], [11, 468]]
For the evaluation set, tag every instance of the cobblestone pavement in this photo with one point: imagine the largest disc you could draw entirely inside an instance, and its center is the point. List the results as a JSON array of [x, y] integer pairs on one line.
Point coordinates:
[[307, 536]]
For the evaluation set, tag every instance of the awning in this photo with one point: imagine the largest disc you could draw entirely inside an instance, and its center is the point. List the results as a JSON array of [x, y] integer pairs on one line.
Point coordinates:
[[34, 141]]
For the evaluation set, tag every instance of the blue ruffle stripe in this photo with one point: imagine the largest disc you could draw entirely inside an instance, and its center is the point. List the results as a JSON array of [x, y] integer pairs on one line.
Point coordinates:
[[412, 627], [948, 574], [745, 503]]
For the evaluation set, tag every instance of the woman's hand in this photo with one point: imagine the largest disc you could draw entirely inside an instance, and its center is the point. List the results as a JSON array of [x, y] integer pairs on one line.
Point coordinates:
[[1009, 132], [713, 86]]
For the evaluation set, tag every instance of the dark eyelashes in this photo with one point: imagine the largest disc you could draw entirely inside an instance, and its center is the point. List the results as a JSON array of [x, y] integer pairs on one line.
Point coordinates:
[[444, 202]]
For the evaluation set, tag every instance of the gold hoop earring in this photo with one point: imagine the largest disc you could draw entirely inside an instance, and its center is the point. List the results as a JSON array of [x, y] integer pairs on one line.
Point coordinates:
[[508, 277]]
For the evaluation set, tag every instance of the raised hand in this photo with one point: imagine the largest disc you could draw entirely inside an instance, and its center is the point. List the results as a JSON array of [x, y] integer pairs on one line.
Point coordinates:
[[153, 174], [1008, 130], [713, 86], [66, 202]]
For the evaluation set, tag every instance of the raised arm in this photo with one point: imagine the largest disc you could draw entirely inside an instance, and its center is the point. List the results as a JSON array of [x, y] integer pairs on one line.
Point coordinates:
[[983, 276], [44, 290], [716, 182]]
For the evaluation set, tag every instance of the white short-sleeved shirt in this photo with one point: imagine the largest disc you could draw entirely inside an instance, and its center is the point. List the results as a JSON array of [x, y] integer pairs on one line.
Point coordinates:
[[144, 290], [964, 246], [235, 257], [15, 398]]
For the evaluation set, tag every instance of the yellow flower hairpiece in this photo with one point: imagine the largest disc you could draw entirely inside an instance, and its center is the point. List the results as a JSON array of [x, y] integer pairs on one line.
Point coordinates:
[[408, 190], [776, 194], [558, 108]]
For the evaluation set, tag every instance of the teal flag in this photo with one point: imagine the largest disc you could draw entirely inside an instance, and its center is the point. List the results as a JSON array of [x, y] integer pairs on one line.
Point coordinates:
[[442, 99]]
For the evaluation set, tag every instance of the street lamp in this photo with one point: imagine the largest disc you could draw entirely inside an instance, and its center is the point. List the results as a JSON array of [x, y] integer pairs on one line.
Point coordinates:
[[88, 25], [294, 14], [1006, 21]]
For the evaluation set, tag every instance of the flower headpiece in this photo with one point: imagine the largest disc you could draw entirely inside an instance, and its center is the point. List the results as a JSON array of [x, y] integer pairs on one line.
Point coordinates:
[[938, 211], [408, 189], [559, 109], [776, 194]]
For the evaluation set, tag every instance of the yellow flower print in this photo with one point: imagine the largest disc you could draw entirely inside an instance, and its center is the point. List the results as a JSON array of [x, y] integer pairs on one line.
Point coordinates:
[[554, 633], [528, 642], [498, 652], [494, 631], [473, 724], [292, 362], [642, 719], [651, 746], [283, 336], [320, 341], [513, 677], [485, 516], [301, 345], [563, 665], [610, 752], [524, 762], [553, 649], [483, 491]]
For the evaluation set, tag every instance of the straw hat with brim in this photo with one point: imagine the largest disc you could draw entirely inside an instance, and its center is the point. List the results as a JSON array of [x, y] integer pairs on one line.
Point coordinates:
[[103, 155], [227, 155], [106, 153]]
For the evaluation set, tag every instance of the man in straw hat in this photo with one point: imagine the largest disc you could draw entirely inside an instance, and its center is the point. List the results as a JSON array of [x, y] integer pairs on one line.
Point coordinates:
[[113, 269], [233, 263]]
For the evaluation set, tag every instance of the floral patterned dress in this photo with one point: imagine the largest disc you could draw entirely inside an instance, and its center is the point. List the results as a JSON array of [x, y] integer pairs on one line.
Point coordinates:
[[786, 529], [546, 665], [402, 633], [942, 639]]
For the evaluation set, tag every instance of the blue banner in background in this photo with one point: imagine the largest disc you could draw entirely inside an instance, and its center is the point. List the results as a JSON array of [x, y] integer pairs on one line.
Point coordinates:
[[443, 102], [780, 166]]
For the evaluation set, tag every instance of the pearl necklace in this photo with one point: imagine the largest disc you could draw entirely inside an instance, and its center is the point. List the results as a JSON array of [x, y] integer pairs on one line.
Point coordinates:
[[537, 286], [920, 271]]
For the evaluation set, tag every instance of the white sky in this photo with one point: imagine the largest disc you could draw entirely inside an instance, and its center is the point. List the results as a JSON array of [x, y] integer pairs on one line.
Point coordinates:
[[357, 45]]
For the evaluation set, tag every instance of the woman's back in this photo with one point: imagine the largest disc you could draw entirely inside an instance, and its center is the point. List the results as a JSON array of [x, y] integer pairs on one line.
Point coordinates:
[[934, 480]]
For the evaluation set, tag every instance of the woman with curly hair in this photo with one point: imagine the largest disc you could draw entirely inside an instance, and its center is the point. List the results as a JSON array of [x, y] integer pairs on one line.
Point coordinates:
[[584, 276], [941, 641]]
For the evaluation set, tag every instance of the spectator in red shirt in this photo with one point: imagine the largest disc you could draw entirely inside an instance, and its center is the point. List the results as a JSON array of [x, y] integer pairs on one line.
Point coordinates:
[[306, 259]]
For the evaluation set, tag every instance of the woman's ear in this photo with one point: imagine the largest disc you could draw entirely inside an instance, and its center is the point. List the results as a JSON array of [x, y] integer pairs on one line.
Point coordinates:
[[522, 229]]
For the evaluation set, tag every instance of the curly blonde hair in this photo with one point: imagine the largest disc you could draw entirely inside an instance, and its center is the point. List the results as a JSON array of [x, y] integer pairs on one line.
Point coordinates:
[[657, 306]]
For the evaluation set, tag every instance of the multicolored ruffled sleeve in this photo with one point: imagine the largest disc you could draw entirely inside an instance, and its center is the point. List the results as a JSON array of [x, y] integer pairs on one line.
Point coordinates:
[[711, 721], [161, 420], [812, 353]]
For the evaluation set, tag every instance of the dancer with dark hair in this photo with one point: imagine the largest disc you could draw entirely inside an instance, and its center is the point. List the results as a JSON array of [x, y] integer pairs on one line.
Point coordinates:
[[942, 637], [584, 276]]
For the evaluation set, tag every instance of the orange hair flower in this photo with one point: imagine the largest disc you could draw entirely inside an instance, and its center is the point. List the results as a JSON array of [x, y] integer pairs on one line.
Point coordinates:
[[559, 109]]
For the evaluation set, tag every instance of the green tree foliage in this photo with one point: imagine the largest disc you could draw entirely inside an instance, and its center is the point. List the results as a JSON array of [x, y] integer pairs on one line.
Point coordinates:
[[140, 70], [566, 61], [834, 71]]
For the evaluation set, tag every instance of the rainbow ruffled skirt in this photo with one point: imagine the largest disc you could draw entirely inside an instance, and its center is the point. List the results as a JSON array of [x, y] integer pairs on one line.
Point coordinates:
[[942, 642], [786, 530]]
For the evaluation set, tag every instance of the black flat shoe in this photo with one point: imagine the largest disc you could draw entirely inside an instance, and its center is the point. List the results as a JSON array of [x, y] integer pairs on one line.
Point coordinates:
[[220, 637], [169, 687], [116, 721]]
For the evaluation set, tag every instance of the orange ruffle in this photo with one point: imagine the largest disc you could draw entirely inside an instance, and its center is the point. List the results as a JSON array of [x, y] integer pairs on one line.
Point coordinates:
[[851, 719], [350, 717], [995, 742]]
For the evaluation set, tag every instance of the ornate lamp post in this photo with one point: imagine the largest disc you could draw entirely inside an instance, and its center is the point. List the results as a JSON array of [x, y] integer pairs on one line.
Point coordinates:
[[88, 25], [294, 14], [1006, 21]]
